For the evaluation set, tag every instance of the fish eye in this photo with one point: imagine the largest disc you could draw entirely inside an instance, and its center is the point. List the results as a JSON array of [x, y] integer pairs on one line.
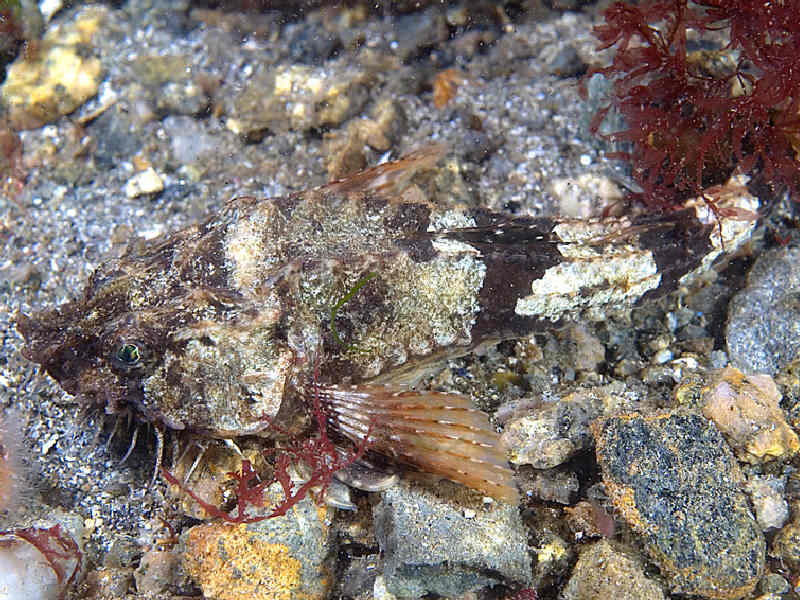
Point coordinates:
[[128, 354]]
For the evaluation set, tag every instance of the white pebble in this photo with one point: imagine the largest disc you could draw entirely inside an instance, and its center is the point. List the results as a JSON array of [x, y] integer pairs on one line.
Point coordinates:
[[144, 182]]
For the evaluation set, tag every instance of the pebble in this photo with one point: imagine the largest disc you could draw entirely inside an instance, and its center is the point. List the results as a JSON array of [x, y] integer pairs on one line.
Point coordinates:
[[109, 582], [42, 86], [586, 195], [767, 495], [430, 545], [144, 183], [550, 485], [746, 410], [157, 570], [677, 484], [417, 31], [25, 573], [763, 332], [567, 63], [312, 44], [602, 571], [773, 583]]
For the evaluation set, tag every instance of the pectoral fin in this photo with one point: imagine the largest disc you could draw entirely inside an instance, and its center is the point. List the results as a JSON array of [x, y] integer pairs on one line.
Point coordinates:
[[437, 433]]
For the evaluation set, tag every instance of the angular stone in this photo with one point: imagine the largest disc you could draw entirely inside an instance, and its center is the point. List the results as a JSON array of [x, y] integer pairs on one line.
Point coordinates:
[[448, 544]]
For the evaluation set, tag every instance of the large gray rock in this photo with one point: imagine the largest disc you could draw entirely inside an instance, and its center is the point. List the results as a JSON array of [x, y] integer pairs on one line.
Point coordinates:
[[448, 545], [763, 331]]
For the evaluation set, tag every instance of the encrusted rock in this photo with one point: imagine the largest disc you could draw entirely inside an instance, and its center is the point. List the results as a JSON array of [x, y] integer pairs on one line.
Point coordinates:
[[675, 481], [745, 408], [281, 558], [602, 571], [296, 97], [168, 84], [449, 544], [55, 80], [554, 433], [786, 544]]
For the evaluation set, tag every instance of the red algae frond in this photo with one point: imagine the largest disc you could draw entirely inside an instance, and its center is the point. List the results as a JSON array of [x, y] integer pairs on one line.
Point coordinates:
[[56, 546], [693, 116]]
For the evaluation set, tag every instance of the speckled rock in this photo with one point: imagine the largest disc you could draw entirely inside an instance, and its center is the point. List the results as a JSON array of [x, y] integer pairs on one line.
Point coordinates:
[[675, 481], [763, 332], [448, 543], [604, 572], [554, 433], [786, 544], [42, 86], [281, 558], [296, 97], [745, 409], [788, 380]]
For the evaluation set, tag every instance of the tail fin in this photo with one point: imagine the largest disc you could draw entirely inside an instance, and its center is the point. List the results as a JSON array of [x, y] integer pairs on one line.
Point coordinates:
[[434, 432]]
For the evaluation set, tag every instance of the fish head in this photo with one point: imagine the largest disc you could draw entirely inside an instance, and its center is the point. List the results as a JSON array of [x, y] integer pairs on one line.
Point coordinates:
[[183, 356]]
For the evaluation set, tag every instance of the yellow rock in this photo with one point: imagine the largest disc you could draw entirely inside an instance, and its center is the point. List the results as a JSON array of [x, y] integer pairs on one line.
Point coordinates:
[[746, 410], [57, 78], [230, 563]]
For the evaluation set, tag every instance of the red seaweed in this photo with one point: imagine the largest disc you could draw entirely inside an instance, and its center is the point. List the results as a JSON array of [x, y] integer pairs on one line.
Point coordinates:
[[316, 451], [689, 125], [57, 547]]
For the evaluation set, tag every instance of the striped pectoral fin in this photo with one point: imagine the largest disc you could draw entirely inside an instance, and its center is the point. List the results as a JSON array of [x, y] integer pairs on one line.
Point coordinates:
[[437, 433]]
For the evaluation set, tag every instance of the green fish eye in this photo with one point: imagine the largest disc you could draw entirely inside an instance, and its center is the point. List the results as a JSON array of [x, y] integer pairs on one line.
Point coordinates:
[[128, 354]]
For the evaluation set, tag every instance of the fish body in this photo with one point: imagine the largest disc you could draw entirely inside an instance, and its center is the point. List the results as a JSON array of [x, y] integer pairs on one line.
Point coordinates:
[[218, 328]]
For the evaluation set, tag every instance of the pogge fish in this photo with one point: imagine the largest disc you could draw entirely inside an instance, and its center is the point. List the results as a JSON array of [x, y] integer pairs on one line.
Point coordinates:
[[351, 291]]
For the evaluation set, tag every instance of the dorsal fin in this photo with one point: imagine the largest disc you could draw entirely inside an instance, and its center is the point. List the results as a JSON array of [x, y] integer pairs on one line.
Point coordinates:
[[391, 178]]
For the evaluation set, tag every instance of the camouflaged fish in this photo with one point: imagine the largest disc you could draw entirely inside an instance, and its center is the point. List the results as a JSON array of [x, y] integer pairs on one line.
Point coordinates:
[[367, 282]]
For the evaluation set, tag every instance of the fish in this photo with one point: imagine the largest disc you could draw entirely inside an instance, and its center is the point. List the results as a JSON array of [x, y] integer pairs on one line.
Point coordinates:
[[349, 293]]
